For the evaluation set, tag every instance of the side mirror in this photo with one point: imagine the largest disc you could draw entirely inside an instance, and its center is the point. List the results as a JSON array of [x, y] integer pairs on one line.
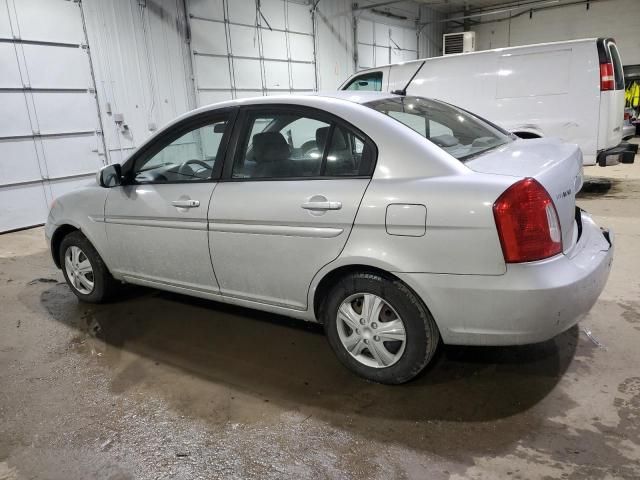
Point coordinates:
[[110, 176]]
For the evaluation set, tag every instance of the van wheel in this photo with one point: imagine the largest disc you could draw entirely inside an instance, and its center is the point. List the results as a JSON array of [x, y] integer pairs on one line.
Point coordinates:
[[84, 270], [378, 328]]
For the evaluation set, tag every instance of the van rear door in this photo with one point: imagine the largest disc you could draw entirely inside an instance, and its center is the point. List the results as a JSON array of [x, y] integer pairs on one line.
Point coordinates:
[[611, 94], [402, 73]]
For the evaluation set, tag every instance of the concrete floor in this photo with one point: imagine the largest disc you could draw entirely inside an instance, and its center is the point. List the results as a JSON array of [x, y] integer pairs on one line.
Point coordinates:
[[163, 386]]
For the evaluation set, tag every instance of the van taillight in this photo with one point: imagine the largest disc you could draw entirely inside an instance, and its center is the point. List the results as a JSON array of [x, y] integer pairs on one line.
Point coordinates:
[[527, 223], [606, 77]]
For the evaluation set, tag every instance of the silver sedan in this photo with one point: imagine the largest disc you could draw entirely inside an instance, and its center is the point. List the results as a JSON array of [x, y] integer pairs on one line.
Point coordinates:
[[397, 222]]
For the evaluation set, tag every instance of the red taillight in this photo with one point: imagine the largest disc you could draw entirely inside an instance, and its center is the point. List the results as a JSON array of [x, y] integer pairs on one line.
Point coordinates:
[[527, 223], [606, 77]]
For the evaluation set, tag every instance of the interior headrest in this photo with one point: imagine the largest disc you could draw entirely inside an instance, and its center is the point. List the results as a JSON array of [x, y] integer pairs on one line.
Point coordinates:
[[270, 147]]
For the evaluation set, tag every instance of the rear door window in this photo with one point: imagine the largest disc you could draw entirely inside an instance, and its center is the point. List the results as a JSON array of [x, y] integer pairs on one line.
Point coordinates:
[[288, 144]]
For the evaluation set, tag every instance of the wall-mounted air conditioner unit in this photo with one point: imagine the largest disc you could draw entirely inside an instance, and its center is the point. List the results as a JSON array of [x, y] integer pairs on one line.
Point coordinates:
[[462, 42]]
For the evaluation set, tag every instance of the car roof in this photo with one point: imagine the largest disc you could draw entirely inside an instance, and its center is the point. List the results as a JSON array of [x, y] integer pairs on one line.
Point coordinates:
[[359, 97]]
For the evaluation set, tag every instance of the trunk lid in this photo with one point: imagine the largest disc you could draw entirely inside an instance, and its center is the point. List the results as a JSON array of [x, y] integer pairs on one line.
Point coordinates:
[[557, 166]]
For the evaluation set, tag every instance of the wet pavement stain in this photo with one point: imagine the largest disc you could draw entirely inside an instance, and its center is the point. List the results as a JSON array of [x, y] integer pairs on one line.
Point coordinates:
[[631, 313], [290, 365], [611, 188]]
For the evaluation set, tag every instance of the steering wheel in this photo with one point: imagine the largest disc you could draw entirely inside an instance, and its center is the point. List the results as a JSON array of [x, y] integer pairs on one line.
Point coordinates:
[[186, 170]]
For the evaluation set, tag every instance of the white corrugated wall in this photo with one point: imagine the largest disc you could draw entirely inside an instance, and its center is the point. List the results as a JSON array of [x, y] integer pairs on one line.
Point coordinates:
[[142, 67]]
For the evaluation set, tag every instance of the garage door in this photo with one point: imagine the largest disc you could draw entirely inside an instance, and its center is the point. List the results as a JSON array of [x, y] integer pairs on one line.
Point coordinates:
[[382, 44], [234, 59], [49, 133]]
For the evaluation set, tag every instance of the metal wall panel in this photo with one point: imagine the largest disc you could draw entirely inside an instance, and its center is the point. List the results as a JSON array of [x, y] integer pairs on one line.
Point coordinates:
[[299, 18], [274, 12], [15, 115], [276, 75], [244, 41], [49, 21], [274, 44], [57, 67], [14, 164], [301, 47], [207, 8], [5, 24], [262, 51], [241, 11], [50, 126], [380, 43], [213, 72], [247, 73], [302, 75], [22, 206], [214, 96], [65, 112], [431, 33], [142, 66], [208, 37], [67, 156], [9, 73]]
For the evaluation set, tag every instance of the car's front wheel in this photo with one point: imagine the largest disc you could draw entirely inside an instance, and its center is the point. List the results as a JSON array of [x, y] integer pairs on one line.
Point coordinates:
[[379, 328], [84, 270]]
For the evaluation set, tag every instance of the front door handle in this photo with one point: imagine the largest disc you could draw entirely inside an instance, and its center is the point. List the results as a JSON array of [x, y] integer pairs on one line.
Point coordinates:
[[322, 205], [185, 203]]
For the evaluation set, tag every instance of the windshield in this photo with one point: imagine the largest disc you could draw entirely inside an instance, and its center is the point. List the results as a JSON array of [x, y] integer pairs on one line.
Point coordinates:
[[457, 132]]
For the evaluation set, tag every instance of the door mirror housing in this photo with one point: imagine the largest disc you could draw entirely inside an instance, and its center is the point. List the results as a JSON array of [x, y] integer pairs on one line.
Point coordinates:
[[110, 176]]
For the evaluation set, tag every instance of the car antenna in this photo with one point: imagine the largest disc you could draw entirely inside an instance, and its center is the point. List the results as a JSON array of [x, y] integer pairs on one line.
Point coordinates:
[[403, 91]]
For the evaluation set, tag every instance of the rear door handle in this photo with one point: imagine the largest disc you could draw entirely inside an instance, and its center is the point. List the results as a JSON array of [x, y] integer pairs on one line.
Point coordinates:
[[322, 205], [185, 203]]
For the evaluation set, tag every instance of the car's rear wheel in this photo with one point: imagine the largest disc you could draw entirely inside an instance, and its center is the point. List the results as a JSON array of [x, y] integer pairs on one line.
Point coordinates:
[[379, 328], [84, 270]]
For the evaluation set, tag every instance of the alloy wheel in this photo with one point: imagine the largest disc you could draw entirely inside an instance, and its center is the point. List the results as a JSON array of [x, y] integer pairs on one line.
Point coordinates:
[[79, 270], [371, 330]]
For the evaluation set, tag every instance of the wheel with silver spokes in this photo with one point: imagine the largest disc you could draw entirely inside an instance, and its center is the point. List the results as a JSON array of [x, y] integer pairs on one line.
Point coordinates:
[[84, 270], [371, 330], [79, 270], [379, 328]]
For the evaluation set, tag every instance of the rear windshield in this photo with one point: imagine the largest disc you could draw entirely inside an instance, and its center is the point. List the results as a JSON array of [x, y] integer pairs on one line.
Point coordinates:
[[456, 131]]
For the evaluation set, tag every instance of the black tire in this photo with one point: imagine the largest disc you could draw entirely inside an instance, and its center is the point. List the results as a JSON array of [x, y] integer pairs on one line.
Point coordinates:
[[104, 285], [422, 335]]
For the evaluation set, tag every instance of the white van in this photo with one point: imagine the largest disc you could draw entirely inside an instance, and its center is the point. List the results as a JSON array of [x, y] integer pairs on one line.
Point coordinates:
[[573, 90]]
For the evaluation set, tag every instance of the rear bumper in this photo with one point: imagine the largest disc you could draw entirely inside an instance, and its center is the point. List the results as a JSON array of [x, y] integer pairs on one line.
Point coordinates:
[[628, 131], [530, 303], [623, 153]]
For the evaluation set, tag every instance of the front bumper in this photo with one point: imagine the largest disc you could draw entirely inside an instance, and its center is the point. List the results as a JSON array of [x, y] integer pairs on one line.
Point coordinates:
[[531, 302]]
